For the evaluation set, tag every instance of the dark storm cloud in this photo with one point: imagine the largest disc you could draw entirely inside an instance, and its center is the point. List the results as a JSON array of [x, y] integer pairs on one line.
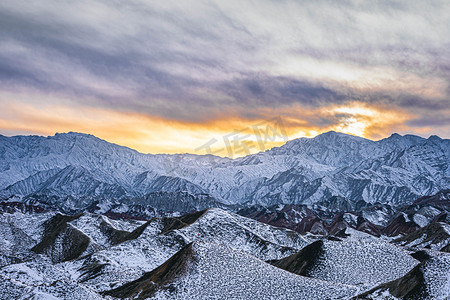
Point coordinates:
[[430, 120], [413, 101]]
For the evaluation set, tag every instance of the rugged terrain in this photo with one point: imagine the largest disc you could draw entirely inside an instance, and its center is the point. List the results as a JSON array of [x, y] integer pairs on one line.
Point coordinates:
[[333, 217], [48, 255], [75, 172]]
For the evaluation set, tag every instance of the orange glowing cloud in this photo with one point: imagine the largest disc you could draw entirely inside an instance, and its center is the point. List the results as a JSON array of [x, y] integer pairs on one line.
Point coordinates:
[[225, 136]]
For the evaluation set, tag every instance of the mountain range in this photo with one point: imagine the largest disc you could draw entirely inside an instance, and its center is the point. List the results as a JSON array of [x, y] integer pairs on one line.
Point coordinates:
[[207, 255], [74, 172], [331, 217]]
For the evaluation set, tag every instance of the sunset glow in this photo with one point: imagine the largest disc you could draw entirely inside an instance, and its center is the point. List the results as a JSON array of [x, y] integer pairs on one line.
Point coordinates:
[[168, 77]]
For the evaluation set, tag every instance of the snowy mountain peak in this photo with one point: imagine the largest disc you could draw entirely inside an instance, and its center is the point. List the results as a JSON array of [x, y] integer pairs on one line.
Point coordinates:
[[74, 134], [395, 170], [334, 134], [434, 138]]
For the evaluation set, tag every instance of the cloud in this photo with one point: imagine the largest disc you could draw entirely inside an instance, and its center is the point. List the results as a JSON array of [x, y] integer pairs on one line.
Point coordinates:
[[161, 135], [207, 61]]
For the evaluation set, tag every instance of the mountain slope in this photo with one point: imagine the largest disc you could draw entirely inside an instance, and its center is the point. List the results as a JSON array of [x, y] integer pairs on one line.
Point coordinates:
[[151, 243], [428, 280], [204, 271], [395, 170], [433, 236], [365, 263], [206, 254]]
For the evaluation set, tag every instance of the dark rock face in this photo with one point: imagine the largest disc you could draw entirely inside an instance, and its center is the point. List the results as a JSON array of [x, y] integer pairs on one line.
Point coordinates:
[[11, 207], [120, 236], [442, 217], [446, 248], [431, 236], [90, 269], [312, 224], [157, 279], [305, 220], [400, 225], [61, 241], [421, 255], [301, 262], [411, 286], [440, 199], [375, 219], [114, 235], [180, 222], [369, 228]]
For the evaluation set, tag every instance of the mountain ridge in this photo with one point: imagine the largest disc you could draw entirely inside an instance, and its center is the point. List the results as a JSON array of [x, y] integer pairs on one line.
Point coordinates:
[[395, 170]]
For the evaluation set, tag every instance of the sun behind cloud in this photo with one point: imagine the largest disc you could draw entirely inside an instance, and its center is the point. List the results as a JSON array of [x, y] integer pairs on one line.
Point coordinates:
[[225, 136]]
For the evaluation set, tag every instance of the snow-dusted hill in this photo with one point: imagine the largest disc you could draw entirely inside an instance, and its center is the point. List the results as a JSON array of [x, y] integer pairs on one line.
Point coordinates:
[[428, 281], [354, 195], [102, 252], [333, 216], [360, 262], [210, 271], [75, 171], [203, 255]]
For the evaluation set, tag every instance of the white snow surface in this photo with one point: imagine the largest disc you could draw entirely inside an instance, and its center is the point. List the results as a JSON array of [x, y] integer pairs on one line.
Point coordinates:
[[230, 254], [393, 170], [41, 279], [436, 273], [437, 276], [220, 271], [362, 262], [129, 260]]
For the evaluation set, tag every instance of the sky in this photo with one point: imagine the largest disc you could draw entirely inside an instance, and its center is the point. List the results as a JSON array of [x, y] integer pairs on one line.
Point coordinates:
[[224, 77]]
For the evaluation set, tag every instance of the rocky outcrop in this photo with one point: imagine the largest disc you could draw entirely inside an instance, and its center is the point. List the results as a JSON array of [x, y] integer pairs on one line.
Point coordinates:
[[434, 236], [160, 278], [62, 241], [301, 262]]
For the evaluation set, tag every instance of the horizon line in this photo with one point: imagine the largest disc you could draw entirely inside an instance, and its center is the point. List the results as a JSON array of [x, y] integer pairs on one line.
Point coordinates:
[[206, 154]]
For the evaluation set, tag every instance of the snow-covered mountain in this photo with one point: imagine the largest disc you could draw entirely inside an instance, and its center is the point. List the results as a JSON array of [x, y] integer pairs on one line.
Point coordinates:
[[206, 255], [210, 271], [77, 171], [375, 216], [94, 253]]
